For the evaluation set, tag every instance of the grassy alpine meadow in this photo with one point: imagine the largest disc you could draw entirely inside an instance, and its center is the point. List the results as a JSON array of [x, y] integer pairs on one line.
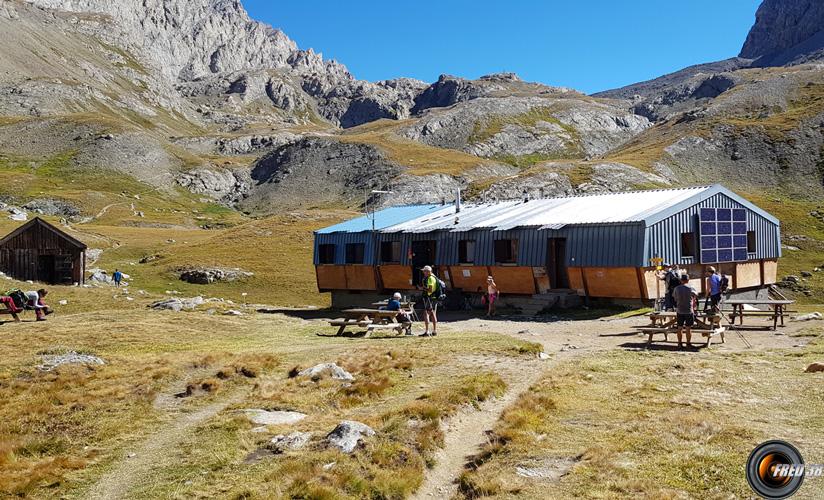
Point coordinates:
[[163, 416], [625, 424]]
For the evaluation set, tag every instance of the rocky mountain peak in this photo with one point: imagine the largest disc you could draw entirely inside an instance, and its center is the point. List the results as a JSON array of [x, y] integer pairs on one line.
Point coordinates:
[[191, 39], [786, 32]]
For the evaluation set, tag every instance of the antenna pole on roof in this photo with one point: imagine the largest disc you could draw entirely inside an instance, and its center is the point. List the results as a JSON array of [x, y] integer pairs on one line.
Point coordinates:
[[458, 201], [526, 195]]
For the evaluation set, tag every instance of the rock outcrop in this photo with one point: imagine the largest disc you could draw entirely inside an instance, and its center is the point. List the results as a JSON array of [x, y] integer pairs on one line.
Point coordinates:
[[290, 175], [517, 126], [348, 434], [786, 32]]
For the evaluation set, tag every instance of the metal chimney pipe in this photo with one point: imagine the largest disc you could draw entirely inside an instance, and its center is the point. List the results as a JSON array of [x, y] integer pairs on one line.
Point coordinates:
[[458, 202]]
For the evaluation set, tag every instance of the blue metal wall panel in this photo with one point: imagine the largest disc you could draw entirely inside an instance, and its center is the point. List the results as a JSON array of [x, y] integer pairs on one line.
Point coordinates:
[[602, 245], [664, 237]]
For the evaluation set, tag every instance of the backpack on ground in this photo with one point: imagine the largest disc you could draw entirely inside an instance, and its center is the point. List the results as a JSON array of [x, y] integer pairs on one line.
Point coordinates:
[[18, 297]]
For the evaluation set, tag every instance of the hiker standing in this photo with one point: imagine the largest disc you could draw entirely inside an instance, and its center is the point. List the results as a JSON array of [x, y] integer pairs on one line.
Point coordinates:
[[684, 296], [430, 301], [117, 277], [714, 287], [491, 296], [672, 279], [35, 301]]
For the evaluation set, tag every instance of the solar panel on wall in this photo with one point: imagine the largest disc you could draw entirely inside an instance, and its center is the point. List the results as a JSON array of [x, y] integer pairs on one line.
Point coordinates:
[[723, 235]]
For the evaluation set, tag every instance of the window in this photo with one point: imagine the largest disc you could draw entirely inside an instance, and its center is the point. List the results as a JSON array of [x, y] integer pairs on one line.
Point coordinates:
[[354, 253], [391, 251], [326, 254], [506, 251], [751, 242], [466, 251], [687, 244]]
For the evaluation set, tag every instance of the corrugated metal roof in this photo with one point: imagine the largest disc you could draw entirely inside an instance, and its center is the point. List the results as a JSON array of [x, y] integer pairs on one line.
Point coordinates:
[[383, 218], [553, 213]]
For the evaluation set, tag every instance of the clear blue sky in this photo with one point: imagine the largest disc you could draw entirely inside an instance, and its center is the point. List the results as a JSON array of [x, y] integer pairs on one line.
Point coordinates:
[[589, 45]]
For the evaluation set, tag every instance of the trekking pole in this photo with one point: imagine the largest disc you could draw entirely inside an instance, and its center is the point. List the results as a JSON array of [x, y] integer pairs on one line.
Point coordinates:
[[732, 324]]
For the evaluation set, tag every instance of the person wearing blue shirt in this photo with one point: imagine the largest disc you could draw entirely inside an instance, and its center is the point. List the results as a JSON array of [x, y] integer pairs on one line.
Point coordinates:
[[394, 304], [714, 287], [117, 277]]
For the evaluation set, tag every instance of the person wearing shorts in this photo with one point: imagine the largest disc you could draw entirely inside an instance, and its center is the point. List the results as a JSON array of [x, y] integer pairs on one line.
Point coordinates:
[[430, 302], [491, 296], [684, 297]]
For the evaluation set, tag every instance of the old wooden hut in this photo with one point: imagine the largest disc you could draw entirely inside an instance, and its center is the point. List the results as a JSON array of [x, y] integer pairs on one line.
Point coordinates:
[[38, 251], [603, 245]]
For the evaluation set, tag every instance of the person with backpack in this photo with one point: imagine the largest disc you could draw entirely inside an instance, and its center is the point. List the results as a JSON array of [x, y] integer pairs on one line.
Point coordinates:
[[715, 285], [117, 277], [431, 295], [672, 279], [35, 301]]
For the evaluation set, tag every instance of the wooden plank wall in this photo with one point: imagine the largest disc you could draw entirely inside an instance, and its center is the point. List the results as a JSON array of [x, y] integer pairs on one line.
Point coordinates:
[[770, 272], [331, 277], [469, 278], [576, 280], [514, 279], [601, 282], [613, 282], [747, 275], [396, 277]]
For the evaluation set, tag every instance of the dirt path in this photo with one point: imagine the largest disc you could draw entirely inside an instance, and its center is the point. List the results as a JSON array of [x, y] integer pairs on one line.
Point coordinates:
[[155, 451], [467, 431]]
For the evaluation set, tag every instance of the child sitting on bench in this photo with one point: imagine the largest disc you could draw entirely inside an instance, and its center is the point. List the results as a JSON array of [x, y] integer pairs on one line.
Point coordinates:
[[35, 301]]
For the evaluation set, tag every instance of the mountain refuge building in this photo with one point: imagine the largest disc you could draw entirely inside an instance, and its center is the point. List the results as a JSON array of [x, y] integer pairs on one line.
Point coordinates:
[[598, 246], [39, 251]]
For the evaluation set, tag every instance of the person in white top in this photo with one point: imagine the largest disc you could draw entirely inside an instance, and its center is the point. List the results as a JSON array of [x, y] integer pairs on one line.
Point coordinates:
[[35, 301], [491, 296]]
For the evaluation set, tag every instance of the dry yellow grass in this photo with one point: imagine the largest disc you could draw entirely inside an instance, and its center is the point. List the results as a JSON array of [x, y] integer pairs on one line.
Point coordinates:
[[63, 431], [650, 425], [419, 158]]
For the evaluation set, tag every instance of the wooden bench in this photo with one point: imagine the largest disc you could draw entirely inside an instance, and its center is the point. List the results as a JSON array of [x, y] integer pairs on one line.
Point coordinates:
[[12, 313], [650, 331], [371, 319], [398, 327]]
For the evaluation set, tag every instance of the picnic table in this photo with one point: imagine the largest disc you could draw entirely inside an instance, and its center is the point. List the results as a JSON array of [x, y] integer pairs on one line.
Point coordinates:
[[407, 306], [9, 309], [371, 319], [664, 322], [777, 310]]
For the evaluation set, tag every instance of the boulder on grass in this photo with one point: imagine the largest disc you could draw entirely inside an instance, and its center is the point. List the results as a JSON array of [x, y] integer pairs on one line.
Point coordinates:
[[176, 304], [293, 441], [348, 434], [273, 417], [317, 372]]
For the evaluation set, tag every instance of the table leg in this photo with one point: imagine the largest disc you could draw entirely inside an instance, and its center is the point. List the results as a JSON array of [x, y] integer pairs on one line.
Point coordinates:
[[781, 308], [341, 330]]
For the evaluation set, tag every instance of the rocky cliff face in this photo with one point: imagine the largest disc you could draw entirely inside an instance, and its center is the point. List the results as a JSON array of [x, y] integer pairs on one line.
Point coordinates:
[[786, 32], [196, 94]]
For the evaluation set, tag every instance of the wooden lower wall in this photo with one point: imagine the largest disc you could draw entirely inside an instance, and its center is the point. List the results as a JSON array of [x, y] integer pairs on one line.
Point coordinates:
[[599, 282], [354, 277], [395, 277]]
